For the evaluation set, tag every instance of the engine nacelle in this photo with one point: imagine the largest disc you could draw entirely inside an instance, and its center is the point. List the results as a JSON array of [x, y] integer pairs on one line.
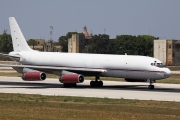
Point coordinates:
[[34, 76], [71, 78], [135, 80]]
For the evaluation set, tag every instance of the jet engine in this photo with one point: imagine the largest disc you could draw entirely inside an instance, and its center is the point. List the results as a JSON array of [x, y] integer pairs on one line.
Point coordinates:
[[34, 76], [71, 78], [135, 80]]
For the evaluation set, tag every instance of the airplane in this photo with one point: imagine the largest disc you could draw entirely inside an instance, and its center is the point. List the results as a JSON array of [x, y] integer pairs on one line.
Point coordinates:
[[72, 67]]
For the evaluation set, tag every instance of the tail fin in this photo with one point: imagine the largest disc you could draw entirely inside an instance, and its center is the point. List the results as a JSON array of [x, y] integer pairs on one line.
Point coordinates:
[[19, 42]]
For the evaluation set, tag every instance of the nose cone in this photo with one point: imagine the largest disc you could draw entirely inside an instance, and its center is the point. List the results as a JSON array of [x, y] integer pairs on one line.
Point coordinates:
[[168, 73]]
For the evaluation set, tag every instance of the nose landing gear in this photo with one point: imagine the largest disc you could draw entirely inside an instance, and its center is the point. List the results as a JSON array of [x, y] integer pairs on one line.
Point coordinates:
[[151, 86], [96, 83]]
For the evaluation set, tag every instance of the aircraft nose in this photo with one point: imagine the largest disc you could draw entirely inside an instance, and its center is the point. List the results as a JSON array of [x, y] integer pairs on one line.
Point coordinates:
[[168, 73]]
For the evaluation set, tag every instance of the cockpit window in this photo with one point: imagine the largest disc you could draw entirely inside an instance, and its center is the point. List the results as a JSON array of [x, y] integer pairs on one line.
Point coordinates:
[[158, 65]]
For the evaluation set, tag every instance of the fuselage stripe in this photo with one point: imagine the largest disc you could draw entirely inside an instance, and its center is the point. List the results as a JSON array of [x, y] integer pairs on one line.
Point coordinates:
[[103, 68]]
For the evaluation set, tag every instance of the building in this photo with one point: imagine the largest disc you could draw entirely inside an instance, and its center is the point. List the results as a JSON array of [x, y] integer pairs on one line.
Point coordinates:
[[85, 32], [168, 51], [76, 43], [48, 46]]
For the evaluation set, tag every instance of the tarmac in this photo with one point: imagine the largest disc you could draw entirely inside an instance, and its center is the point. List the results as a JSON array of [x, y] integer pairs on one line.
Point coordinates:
[[111, 89]]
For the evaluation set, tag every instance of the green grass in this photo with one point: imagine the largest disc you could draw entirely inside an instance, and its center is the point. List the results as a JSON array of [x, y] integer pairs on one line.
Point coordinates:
[[37, 107], [174, 68], [6, 70], [174, 79]]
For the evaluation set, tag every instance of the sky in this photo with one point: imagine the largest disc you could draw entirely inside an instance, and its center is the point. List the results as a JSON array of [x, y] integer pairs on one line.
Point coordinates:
[[159, 18]]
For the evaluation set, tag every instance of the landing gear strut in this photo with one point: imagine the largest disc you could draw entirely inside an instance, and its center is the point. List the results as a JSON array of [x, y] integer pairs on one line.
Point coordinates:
[[96, 83], [150, 84]]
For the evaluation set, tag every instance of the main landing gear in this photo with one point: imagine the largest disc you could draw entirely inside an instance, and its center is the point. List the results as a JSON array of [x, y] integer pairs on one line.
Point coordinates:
[[151, 86], [96, 83]]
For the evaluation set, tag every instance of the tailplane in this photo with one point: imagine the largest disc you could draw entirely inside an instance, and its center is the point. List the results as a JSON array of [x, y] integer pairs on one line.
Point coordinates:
[[19, 42]]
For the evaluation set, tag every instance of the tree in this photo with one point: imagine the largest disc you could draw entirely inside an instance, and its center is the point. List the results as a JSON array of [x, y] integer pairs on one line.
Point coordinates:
[[125, 44], [132, 45], [99, 44], [63, 41], [135, 45], [69, 34], [146, 44], [6, 43], [32, 42]]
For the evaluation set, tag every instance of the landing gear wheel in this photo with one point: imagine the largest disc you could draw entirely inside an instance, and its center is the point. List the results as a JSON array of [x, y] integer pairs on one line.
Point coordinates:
[[151, 86], [100, 83], [96, 83], [92, 83]]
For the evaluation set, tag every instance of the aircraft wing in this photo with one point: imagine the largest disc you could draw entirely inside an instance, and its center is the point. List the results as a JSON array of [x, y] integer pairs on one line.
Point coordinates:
[[49, 69]]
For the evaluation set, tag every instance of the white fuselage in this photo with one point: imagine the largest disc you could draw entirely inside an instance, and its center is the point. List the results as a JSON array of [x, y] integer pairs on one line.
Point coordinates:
[[124, 66]]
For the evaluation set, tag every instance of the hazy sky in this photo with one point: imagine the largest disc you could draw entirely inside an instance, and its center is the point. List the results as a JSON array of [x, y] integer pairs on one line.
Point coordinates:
[[160, 18]]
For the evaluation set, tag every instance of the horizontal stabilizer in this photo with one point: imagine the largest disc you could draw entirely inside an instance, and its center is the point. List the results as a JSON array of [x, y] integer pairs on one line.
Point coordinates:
[[13, 57]]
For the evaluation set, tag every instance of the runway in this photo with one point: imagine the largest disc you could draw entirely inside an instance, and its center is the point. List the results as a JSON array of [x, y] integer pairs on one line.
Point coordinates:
[[111, 89]]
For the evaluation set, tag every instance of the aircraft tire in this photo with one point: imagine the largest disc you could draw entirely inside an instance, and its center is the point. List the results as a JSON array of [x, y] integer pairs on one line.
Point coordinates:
[[92, 83], [100, 83], [96, 83], [151, 86]]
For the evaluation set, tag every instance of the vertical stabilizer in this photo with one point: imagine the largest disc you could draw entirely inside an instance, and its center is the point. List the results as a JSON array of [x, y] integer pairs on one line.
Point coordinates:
[[19, 42]]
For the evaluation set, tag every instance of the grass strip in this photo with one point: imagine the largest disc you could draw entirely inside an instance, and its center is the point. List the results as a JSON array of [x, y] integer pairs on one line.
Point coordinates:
[[37, 107]]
